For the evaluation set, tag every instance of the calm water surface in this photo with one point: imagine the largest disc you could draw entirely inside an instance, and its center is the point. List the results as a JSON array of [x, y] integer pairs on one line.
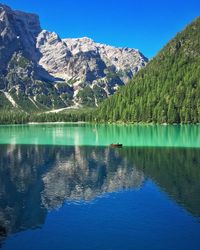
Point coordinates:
[[102, 135], [63, 187]]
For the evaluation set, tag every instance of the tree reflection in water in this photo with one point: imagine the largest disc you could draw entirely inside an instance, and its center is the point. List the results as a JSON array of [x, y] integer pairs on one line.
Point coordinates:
[[35, 179]]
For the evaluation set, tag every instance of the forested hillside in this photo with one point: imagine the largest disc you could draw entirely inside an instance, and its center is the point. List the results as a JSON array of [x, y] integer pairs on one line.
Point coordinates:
[[167, 90]]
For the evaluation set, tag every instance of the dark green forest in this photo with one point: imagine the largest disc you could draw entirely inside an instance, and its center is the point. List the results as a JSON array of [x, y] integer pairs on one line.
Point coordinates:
[[167, 90], [17, 117]]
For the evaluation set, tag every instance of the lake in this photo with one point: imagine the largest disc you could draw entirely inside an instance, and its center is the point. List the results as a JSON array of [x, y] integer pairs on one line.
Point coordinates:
[[63, 187]]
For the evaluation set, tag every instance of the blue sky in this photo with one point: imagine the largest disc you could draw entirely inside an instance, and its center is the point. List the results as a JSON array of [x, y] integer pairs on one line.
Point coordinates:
[[146, 25]]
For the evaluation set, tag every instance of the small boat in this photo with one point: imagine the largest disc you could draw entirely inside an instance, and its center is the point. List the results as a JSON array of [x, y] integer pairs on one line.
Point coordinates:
[[116, 145]]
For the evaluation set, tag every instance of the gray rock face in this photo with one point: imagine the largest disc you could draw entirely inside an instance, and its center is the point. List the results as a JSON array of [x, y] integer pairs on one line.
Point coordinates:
[[87, 63], [55, 55], [18, 32], [125, 60], [51, 73]]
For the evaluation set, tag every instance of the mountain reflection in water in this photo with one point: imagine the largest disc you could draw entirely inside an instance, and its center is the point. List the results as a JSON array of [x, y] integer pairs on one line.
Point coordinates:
[[35, 179]]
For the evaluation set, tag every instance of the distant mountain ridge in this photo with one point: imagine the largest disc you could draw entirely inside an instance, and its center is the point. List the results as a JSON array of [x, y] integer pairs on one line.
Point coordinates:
[[41, 71]]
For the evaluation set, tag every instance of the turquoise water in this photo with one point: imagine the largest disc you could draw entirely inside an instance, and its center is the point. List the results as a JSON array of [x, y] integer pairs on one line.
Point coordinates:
[[102, 135], [63, 187]]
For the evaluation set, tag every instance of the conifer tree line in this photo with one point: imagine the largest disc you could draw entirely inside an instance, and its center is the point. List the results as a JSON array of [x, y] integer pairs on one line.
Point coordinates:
[[167, 90], [10, 117]]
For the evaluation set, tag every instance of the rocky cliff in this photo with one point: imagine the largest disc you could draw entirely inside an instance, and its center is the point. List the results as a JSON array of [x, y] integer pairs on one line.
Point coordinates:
[[41, 71]]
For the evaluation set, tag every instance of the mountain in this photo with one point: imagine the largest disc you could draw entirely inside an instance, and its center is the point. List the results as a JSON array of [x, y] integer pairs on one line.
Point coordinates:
[[41, 71], [167, 90]]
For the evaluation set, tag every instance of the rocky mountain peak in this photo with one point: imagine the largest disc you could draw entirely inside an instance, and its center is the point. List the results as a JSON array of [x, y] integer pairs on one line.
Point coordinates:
[[54, 53], [19, 24], [64, 72], [18, 32], [77, 45], [119, 58]]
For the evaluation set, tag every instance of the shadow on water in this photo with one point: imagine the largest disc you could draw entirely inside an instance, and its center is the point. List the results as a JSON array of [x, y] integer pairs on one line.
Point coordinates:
[[3, 234], [35, 179], [176, 171]]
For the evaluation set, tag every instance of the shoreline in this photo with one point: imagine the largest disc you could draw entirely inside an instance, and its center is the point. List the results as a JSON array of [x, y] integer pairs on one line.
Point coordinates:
[[35, 123], [100, 123]]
